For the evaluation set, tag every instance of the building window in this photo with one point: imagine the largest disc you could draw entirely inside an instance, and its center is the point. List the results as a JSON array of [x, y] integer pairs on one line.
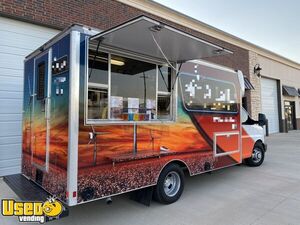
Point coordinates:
[[98, 86], [206, 94], [125, 89]]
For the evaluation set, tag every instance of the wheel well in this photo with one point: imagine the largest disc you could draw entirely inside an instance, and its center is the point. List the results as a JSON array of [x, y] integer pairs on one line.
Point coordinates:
[[259, 142], [180, 163]]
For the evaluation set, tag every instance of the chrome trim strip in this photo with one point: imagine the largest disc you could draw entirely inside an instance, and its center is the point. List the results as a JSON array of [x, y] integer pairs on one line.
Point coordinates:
[[73, 126], [48, 107]]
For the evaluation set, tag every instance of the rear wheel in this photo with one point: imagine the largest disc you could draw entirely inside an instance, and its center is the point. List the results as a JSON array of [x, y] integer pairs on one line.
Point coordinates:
[[257, 157], [170, 184]]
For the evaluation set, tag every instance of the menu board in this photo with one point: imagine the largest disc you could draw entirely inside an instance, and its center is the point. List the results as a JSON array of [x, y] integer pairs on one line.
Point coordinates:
[[116, 102], [116, 107], [133, 105]]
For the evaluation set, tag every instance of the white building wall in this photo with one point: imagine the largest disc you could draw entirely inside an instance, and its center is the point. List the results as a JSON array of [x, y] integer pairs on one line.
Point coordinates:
[[287, 75], [17, 39]]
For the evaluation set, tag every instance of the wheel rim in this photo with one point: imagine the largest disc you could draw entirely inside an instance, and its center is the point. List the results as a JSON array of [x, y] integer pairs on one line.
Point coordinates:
[[172, 184], [257, 155]]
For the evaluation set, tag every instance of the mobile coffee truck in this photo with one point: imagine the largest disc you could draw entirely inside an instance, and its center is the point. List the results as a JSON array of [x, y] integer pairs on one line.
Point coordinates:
[[130, 108]]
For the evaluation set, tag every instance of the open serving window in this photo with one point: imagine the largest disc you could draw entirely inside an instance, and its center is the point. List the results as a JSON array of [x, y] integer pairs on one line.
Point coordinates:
[[132, 70]]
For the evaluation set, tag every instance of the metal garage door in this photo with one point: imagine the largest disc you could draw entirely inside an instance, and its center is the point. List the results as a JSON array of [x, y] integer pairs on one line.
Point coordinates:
[[269, 100], [17, 39]]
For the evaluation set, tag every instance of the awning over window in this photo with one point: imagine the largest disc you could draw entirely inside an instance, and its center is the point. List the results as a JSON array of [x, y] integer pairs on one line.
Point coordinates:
[[289, 91], [154, 39], [248, 85]]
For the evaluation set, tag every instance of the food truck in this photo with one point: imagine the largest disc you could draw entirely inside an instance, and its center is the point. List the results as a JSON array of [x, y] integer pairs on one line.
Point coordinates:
[[130, 109]]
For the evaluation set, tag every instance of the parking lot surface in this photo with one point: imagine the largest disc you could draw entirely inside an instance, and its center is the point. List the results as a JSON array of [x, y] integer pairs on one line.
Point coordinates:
[[240, 195]]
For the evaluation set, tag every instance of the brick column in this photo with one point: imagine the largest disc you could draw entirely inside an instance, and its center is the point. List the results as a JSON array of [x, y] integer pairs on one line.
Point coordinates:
[[254, 96]]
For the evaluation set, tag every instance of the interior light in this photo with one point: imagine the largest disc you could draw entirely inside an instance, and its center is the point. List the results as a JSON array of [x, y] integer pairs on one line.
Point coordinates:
[[117, 62], [156, 28]]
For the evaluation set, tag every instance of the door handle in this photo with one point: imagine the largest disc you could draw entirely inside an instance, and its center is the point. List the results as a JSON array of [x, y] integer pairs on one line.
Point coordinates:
[[234, 126]]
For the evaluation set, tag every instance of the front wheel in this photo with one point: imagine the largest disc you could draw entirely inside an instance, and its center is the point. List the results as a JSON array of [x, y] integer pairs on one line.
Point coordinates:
[[257, 157], [170, 184]]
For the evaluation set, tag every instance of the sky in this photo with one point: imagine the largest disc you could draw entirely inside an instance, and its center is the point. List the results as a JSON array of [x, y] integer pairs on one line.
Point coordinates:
[[271, 24]]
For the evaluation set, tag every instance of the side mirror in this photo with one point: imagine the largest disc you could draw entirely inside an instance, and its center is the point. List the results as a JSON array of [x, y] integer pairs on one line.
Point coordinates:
[[262, 119]]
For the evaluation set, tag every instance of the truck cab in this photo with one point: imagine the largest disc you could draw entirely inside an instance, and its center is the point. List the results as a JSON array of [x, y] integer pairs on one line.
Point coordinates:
[[253, 138]]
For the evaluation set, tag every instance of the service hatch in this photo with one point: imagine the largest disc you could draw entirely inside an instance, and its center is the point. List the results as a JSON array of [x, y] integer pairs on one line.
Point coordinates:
[[155, 39]]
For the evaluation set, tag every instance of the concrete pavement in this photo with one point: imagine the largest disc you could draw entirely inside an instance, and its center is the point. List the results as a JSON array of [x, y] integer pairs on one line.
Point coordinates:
[[240, 195]]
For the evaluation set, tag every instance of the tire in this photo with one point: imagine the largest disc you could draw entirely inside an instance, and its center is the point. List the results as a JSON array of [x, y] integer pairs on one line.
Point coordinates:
[[258, 156], [170, 184]]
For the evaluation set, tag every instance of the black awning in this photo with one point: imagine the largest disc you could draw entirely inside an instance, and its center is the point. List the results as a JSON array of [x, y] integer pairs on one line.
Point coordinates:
[[248, 85], [289, 91], [149, 37]]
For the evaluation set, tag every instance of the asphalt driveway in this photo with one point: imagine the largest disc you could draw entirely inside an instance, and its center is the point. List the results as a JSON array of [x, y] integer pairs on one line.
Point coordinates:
[[267, 195]]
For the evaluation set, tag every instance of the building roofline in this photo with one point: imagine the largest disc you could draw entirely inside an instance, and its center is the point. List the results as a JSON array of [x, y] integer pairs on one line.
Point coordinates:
[[76, 26], [160, 10]]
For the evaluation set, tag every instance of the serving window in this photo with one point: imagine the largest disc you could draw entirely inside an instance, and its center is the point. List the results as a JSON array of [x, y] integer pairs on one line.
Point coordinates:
[[127, 89]]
